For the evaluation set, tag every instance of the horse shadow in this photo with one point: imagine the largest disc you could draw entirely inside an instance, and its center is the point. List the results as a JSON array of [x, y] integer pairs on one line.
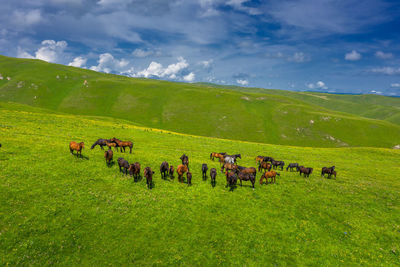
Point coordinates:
[[213, 183], [138, 178], [81, 156], [112, 163]]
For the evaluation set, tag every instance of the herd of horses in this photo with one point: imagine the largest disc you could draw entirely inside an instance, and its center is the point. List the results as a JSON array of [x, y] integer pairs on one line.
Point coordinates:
[[233, 172]]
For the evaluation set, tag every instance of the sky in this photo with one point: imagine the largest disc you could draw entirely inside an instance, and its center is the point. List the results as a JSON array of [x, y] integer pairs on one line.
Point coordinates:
[[342, 46]]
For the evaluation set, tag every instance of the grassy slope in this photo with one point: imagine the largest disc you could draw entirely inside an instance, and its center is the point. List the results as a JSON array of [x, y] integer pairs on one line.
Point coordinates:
[[59, 209], [268, 116]]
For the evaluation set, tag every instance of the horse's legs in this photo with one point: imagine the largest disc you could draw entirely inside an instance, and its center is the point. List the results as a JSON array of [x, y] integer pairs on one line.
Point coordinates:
[[130, 150]]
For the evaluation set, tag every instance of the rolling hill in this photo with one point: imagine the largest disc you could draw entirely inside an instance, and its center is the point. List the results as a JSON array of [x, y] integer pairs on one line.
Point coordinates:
[[251, 114], [58, 209]]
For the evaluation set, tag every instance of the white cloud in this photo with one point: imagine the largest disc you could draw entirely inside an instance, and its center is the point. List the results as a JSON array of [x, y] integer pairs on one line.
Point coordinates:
[[78, 62], [395, 85], [298, 57], [317, 85], [386, 70], [238, 4], [206, 63], [242, 82], [353, 56], [107, 64], [383, 55], [376, 92], [50, 51], [172, 71], [190, 77]]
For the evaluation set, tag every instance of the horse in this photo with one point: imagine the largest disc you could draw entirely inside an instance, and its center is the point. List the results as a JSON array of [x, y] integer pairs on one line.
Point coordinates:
[[101, 143], [291, 166], [123, 144], [328, 171], [333, 173], [305, 171], [217, 155], [148, 173], [228, 166], [269, 174], [231, 158], [185, 160], [134, 170], [164, 170], [277, 163], [259, 159], [108, 155], [75, 146], [250, 170], [204, 169], [231, 179], [264, 165], [112, 144], [270, 159], [181, 169], [171, 171], [213, 175], [246, 176], [123, 165], [189, 178]]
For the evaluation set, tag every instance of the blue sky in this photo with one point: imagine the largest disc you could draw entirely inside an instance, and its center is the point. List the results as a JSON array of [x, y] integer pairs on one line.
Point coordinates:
[[332, 46]]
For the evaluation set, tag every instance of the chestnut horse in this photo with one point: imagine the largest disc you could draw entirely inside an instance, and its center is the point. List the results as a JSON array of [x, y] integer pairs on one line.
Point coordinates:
[[228, 166], [264, 165], [75, 146], [123, 144], [217, 155], [181, 169], [108, 155], [134, 170], [148, 173], [269, 174]]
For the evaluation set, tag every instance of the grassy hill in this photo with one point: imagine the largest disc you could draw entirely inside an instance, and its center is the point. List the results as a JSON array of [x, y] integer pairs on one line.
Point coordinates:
[[57, 209], [259, 115]]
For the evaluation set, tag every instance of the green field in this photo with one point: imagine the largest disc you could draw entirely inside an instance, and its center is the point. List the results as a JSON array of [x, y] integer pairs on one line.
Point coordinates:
[[57, 209], [248, 114]]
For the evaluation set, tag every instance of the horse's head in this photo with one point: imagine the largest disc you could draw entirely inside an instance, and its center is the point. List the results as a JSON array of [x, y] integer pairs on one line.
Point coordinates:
[[239, 156], [82, 144]]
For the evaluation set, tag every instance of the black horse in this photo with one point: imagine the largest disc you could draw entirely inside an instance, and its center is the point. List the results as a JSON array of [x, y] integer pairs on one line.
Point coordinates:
[[291, 166], [101, 143], [329, 171], [213, 175], [266, 159], [204, 169], [277, 163], [164, 169], [185, 160], [305, 171]]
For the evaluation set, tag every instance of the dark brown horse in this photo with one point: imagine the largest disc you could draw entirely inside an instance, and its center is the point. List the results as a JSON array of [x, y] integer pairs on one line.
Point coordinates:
[[189, 178], [76, 146], [246, 176], [123, 165], [231, 179], [108, 155], [305, 171], [250, 170], [270, 174], [164, 168], [204, 169], [148, 173], [171, 171], [213, 175], [123, 144], [134, 170], [185, 160], [326, 170]]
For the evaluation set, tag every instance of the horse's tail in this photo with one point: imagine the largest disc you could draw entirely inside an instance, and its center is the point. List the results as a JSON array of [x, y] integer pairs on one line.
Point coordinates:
[[95, 144]]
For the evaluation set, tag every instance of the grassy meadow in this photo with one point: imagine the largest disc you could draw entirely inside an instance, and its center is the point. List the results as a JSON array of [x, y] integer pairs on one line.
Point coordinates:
[[58, 209], [247, 114]]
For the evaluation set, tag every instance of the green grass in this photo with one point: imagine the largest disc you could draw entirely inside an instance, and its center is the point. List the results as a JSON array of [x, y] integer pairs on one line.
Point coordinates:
[[249, 114], [62, 210]]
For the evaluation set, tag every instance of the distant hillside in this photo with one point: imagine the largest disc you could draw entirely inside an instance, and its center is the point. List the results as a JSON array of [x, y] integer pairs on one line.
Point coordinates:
[[260, 115]]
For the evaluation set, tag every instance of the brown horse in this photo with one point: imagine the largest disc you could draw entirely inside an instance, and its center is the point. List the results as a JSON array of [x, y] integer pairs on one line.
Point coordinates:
[[181, 171], [164, 170], [134, 170], [231, 179], [148, 173], [269, 174], [220, 156], [259, 159], [75, 146], [111, 144], [245, 176], [264, 166], [123, 144], [228, 166], [108, 155], [250, 170], [171, 171]]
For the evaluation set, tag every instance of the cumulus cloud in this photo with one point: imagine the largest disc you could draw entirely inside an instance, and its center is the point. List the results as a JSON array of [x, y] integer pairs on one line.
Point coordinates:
[[352, 56], [107, 64], [386, 70], [242, 82], [172, 71], [78, 62], [190, 77], [50, 51], [383, 55], [317, 85]]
